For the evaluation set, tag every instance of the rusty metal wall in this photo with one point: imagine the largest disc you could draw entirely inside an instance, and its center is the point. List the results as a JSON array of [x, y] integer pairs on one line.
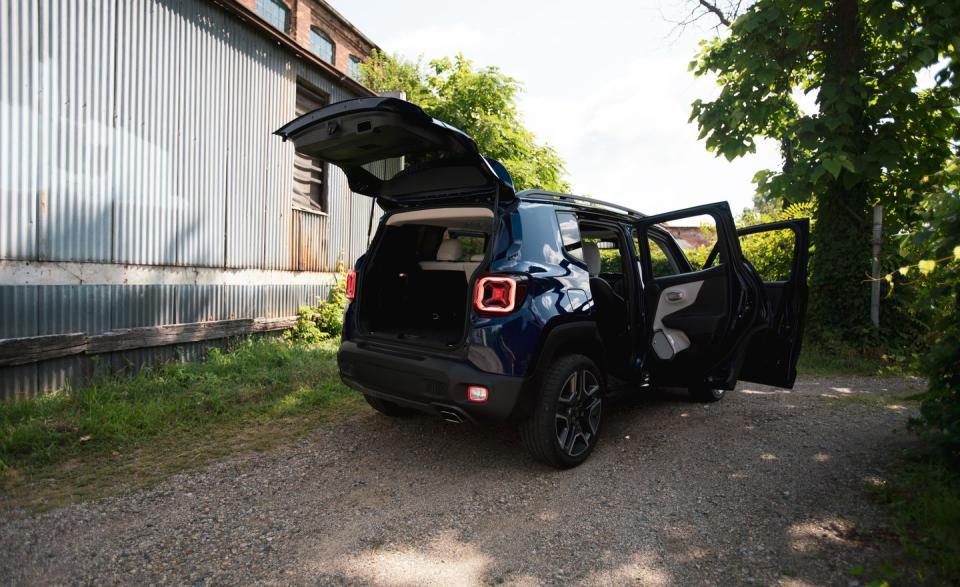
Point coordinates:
[[139, 132], [310, 238]]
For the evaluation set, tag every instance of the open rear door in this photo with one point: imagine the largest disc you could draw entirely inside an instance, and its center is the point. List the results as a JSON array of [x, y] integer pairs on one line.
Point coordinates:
[[392, 150], [698, 318], [773, 352]]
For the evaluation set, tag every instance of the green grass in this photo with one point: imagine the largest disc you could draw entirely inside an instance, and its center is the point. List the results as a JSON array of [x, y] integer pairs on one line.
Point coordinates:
[[134, 431], [923, 496], [816, 361]]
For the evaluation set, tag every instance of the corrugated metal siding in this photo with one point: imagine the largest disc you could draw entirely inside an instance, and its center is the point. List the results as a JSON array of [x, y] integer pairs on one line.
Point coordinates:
[[18, 317], [139, 131], [93, 309], [19, 129]]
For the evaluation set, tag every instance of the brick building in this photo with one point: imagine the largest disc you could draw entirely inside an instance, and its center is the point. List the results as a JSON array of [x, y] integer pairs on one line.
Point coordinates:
[[316, 26]]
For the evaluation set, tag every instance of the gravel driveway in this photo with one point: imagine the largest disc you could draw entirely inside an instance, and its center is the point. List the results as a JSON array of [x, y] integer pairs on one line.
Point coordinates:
[[766, 487]]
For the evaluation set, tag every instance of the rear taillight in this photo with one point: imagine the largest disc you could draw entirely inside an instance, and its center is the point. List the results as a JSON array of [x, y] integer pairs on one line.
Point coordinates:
[[351, 285], [497, 294]]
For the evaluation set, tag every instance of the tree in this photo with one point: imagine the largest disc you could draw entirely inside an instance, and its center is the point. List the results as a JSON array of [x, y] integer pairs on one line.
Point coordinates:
[[933, 244], [481, 103], [875, 134]]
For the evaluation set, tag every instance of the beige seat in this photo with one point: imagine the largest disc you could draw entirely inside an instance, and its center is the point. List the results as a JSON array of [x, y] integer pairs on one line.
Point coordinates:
[[448, 259]]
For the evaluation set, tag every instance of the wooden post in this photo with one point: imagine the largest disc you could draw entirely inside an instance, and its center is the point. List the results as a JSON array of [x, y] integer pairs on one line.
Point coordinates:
[[875, 270]]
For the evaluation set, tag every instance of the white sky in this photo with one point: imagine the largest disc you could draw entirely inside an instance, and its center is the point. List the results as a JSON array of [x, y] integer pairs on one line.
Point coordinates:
[[605, 83]]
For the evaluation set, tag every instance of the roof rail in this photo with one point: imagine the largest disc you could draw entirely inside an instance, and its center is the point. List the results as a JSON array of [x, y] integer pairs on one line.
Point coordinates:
[[553, 197]]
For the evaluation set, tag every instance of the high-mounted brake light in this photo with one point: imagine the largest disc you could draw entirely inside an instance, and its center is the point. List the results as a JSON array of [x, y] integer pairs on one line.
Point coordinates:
[[495, 294], [351, 285]]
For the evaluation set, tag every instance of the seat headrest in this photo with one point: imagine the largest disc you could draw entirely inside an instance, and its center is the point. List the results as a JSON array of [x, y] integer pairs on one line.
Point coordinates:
[[591, 256], [450, 250]]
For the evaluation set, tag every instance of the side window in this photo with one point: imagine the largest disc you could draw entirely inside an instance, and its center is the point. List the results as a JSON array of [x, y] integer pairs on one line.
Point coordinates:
[[696, 237], [611, 261], [570, 235], [770, 252], [663, 262]]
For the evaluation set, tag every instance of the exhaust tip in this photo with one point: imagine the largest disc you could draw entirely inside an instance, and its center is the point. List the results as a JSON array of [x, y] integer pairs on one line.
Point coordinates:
[[451, 416]]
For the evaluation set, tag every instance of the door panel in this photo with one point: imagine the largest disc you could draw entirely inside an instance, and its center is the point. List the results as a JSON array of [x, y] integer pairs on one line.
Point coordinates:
[[773, 352], [698, 320]]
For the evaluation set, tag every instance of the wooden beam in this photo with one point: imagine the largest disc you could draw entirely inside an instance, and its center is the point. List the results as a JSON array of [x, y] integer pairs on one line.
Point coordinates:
[[31, 349], [22, 351], [151, 336]]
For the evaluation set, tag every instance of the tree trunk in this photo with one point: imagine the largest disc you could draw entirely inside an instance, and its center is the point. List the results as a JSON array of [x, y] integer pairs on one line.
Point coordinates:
[[840, 296]]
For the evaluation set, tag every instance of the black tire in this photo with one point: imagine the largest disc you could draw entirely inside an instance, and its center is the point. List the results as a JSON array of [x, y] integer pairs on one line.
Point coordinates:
[[388, 408], [563, 428], [706, 394]]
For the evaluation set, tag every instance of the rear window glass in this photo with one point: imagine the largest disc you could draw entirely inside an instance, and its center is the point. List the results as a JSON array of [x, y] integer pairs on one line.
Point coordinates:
[[570, 235]]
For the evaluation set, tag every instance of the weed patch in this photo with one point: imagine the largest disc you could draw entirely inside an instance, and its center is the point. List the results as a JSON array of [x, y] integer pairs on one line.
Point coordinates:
[[138, 430]]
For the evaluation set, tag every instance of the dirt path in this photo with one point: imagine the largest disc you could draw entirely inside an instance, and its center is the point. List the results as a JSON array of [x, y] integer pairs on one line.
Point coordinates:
[[766, 487]]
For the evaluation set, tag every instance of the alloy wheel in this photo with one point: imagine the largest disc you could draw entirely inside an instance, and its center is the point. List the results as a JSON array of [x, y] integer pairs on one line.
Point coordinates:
[[578, 412]]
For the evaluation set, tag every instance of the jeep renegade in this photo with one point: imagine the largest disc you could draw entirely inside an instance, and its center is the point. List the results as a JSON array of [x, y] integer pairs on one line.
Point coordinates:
[[477, 303]]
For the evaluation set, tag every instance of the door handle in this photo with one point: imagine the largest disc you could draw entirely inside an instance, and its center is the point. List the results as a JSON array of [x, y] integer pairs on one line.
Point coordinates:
[[675, 296]]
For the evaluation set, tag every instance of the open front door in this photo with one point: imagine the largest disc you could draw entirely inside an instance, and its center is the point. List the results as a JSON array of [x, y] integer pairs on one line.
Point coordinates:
[[772, 356], [699, 318]]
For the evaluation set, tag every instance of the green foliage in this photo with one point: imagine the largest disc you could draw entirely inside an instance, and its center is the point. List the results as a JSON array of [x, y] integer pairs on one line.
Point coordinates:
[[923, 495], [661, 265], [610, 261], [480, 102], [933, 246], [259, 379], [873, 137], [771, 253], [325, 320]]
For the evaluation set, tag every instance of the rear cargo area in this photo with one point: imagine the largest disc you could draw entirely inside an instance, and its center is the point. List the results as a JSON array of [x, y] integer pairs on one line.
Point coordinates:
[[416, 280]]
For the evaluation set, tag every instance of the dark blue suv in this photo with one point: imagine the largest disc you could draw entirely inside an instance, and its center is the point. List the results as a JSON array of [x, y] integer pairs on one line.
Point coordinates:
[[477, 303]]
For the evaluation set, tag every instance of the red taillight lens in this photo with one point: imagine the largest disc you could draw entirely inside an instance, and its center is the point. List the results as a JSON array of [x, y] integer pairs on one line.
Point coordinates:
[[351, 285], [496, 294]]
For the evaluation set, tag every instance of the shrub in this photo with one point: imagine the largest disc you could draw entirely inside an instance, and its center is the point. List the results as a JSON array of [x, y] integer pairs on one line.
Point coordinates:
[[325, 319], [934, 277]]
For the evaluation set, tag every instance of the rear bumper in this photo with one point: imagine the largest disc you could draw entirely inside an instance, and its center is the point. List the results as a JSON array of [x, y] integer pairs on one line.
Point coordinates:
[[425, 383]]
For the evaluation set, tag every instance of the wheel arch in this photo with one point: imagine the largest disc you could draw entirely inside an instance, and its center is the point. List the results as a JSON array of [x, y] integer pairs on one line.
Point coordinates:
[[579, 337]]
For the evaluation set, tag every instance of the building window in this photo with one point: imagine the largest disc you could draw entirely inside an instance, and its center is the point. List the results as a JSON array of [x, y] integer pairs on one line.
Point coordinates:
[[274, 12], [355, 67], [309, 187], [321, 45]]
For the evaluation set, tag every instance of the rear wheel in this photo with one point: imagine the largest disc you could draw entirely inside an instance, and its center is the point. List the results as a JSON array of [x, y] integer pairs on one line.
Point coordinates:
[[562, 430], [388, 408], [706, 394]]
